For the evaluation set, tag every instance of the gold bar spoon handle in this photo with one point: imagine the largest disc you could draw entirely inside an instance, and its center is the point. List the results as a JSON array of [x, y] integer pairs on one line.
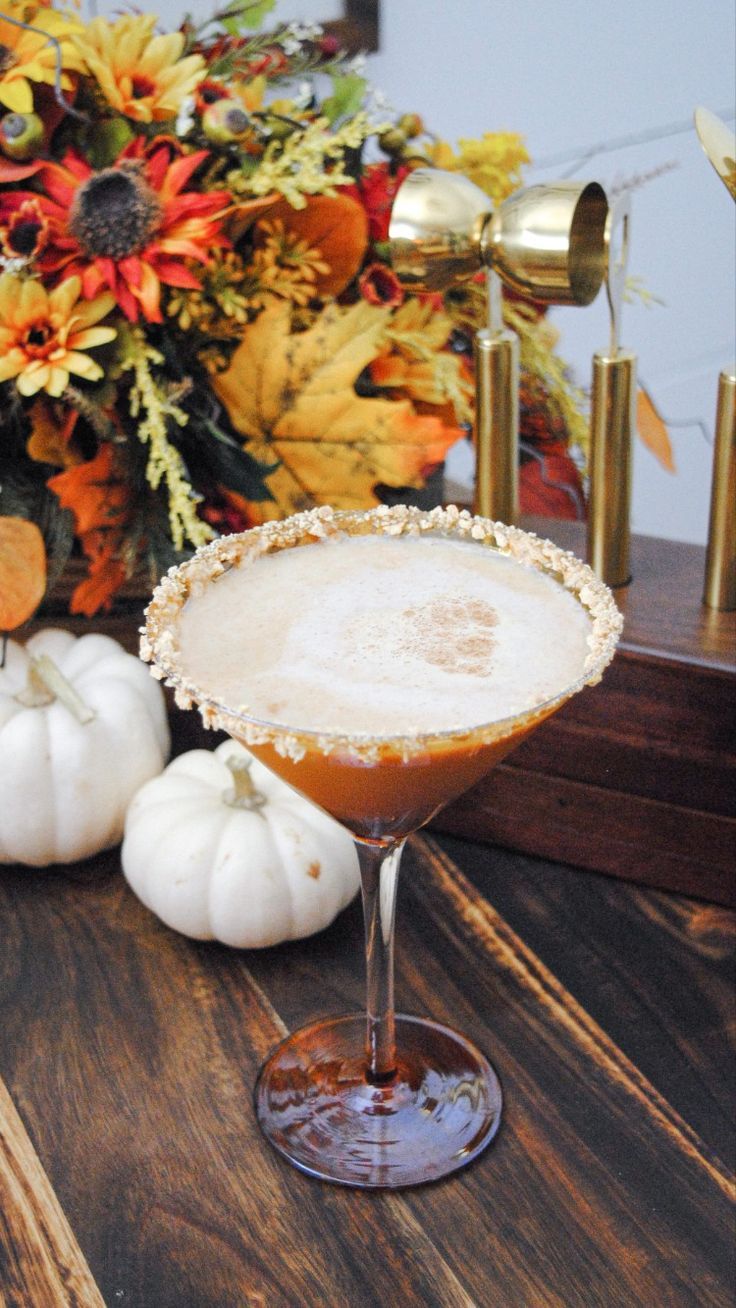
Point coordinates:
[[720, 558]]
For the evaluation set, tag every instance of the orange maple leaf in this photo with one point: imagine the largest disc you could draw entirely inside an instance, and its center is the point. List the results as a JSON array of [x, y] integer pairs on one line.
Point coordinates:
[[653, 430], [105, 577], [92, 490], [99, 500], [292, 396]]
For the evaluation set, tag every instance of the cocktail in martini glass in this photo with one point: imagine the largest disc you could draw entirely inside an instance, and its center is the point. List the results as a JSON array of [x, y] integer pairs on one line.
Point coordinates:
[[381, 663]]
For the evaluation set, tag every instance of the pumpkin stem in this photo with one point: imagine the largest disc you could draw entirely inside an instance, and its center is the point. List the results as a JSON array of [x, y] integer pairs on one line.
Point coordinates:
[[243, 793], [46, 683]]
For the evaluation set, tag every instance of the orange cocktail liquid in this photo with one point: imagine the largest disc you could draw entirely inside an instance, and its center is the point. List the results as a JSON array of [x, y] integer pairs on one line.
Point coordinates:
[[382, 674], [391, 796]]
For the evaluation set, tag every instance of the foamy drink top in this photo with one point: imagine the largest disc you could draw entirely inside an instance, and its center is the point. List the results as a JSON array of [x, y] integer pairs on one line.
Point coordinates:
[[382, 636]]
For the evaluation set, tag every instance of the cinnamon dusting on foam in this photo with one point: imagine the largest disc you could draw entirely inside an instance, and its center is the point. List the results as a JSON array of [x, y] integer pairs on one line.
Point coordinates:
[[432, 626], [456, 634]]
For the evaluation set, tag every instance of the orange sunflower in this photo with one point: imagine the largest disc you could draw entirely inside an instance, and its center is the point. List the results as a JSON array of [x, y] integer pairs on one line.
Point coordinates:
[[140, 74], [129, 228], [28, 57], [43, 335]]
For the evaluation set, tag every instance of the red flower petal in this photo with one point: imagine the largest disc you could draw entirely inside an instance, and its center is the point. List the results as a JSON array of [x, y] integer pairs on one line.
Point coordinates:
[[10, 172], [175, 274], [12, 200], [157, 167], [130, 270], [92, 281], [179, 173], [109, 271], [60, 184], [127, 302]]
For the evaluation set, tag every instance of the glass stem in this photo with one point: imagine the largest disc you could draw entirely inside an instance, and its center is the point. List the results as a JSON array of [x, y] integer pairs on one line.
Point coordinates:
[[379, 870]]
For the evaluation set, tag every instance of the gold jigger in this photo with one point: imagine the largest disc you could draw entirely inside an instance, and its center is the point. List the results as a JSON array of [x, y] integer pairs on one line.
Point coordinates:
[[720, 557], [612, 422], [547, 242]]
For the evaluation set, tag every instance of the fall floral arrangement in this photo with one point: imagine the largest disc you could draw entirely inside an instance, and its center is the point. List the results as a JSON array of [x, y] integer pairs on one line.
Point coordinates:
[[199, 328]]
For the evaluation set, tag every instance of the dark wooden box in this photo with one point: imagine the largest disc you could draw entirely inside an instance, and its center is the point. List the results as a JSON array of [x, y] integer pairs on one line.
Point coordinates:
[[634, 777]]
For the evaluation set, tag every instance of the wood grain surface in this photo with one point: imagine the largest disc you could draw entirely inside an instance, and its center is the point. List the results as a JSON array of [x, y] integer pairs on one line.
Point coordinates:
[[42, 1261], [130, 1055]]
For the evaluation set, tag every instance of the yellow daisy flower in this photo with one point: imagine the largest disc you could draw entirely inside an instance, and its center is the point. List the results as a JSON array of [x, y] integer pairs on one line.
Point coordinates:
[[43, 334], [140, 74], [27, 57]]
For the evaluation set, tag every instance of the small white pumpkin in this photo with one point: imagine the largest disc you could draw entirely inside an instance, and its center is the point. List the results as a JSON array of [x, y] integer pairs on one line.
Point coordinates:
[[221, 849], [82, 727]]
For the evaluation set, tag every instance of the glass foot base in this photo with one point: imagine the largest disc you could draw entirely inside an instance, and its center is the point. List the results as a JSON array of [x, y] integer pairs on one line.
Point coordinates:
[[315, 1105]]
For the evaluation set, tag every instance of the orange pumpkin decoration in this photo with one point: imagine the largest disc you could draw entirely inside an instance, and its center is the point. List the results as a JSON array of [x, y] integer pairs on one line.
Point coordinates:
[[22, 571]]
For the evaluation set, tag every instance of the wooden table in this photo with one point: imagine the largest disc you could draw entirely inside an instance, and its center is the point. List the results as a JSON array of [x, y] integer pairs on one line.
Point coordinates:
[[132, 1172]]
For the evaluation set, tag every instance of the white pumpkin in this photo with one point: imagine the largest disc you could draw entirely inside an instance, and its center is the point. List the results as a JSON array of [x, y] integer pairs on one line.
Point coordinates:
[[82, 727], [221, 849]]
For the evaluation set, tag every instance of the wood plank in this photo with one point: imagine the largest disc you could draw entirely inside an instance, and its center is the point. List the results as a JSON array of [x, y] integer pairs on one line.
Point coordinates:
[[655, 970], [148, 1127], [604, 830], [559, 1152], [654, 727], [594, 1145], [41, 1264]]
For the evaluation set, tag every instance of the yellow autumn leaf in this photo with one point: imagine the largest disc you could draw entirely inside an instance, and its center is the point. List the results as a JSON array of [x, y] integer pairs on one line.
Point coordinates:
[[653, 430], [292, 396]]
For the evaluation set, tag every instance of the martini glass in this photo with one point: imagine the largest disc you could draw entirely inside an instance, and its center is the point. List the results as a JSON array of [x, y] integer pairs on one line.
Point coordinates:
[[377, 1100]]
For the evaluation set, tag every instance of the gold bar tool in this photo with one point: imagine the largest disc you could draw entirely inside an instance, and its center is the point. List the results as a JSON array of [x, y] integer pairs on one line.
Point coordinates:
[[612, 422], [720, 557], [546, 242], [496, 420]]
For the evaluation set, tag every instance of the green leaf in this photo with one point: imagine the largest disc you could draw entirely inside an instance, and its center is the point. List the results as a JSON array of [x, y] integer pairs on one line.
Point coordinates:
[[225, 462], [248, 15], [109, 137], [348, 93], [238, 471]]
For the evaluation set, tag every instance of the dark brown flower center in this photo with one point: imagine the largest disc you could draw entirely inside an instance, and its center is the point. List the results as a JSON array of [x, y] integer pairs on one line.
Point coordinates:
[[141, 87], [7, 58], [210, 92], [39, 341], [115, 213], [23, 238]]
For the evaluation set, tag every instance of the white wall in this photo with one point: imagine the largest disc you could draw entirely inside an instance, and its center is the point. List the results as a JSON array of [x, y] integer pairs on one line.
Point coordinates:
[[568, 75]]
